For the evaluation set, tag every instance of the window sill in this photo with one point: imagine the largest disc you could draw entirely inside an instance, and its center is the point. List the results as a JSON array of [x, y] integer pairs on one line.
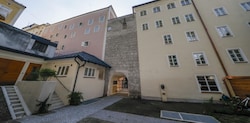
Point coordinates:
[[211, 92], [241, 62], [60, 76], [202, 64], [89, 77]]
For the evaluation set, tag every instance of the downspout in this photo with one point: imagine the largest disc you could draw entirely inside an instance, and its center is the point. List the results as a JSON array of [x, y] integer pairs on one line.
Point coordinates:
[[228, 86], [78, 68], [210, 39]]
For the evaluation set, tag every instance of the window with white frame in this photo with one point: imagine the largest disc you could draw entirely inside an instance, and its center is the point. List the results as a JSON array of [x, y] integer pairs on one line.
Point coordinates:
[[101, 19], [89, 72], [237, 55], [156, 9], [171, 6], [246, 6], [220, 11], [73, 34], [158, 23], [185, 2], [145, 26], [207, 83], [4, 11], [191, 36], [87, 31], [143, 13], [224, 31], [189, 17], [62, 70], [176, 20], [173, 62], [97, 28], [85, 44], [167, 39], [91, 21], [200, 59]]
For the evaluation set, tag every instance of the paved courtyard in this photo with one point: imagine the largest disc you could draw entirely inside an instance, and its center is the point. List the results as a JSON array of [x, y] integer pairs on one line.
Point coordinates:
[[73, 114]]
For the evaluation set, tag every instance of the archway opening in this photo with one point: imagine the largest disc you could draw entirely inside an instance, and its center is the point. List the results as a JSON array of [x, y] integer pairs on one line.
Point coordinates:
[[119, 84]]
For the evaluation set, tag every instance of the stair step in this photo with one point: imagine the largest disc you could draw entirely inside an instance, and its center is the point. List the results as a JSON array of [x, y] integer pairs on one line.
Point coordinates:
[[15, 101], [18, 108], [17, 104], [12, 94], [20, 112]]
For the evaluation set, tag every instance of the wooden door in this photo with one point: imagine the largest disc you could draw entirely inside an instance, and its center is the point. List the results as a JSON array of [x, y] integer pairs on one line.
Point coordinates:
[[9, 71]]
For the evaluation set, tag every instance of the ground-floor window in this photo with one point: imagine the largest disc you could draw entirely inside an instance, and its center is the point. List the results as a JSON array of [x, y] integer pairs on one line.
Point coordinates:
[[207, 83]]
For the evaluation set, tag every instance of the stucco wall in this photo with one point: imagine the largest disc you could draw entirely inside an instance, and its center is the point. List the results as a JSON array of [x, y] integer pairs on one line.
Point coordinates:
[[155, 69], [34, 91], [121, 51]]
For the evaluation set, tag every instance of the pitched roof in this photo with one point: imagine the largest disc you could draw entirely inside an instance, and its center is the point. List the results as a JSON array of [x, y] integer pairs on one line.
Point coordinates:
[[83, 56]]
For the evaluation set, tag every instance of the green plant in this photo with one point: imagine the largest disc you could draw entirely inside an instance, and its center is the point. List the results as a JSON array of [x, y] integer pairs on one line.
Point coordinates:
[[43, 106], [46, 73], [75, 98]]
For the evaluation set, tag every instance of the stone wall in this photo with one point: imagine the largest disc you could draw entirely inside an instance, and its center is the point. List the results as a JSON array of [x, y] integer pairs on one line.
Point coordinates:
[[4, 111], [121, 51]]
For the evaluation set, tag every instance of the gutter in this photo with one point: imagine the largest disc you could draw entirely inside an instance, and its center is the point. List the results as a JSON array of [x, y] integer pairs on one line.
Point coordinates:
[[210, 39], [78, 68]]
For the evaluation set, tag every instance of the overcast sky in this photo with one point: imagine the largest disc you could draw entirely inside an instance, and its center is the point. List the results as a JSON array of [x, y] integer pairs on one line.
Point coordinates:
[[52, 11]]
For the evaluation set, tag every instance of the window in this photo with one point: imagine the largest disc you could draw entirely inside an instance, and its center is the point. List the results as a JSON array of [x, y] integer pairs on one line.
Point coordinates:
[[97, 28], [158, 23], [143, 13], [237, 55], [224, 31], [65, 36], [71, 26], [246, 6], [89, 72], [91, 21], [220, 11], [176, 20], [191, 36], [85, 44], [101, 74], [62, 71], [156, 9], [38, 46], [101, 19], [4, 11], [80, 24], [65, 27], [185, 2], [171, 6], [87, 31], [145, 26], [248, 23], [73, 34], [57, 34], [200, 59], [207, 83], [173, 61], [167, 39], [189, 17]]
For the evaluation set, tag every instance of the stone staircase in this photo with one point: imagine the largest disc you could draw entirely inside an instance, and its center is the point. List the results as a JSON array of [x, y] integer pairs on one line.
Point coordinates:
[[16, 105], [55, 102]]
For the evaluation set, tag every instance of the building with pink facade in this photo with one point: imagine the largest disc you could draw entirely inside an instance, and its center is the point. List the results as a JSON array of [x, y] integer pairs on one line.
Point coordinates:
[[86, 32]]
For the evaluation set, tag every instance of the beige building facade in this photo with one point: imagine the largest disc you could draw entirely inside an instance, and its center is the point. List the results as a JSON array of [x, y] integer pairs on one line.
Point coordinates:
[[10, 10], [185, 50], [36, 29]]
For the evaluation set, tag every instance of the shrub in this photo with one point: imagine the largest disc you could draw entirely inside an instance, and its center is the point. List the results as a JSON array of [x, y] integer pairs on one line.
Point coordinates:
[[75, 98], [46, 73]]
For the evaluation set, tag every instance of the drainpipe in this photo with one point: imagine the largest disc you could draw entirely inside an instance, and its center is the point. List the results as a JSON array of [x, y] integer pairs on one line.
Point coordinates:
[[78, 68], [210, 39]]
